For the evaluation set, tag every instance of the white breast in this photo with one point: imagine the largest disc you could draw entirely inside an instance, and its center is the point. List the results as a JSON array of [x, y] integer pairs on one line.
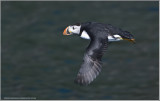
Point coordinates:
[[85, 35]]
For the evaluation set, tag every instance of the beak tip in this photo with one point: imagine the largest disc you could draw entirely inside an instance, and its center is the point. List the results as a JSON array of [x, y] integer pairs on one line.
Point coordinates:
[[65, 31]]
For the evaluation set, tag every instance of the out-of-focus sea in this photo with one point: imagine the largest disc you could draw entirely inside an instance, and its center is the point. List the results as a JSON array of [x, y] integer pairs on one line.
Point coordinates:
[[38, 61]]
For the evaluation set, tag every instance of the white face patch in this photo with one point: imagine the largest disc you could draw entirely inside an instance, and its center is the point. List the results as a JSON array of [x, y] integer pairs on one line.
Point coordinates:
[[74, 29]]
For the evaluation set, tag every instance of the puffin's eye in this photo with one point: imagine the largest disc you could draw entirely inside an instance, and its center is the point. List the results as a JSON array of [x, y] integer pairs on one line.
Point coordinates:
[[73, 28]]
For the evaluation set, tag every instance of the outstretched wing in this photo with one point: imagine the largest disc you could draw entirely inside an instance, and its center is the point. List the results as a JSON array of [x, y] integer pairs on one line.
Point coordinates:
[[92, 65]]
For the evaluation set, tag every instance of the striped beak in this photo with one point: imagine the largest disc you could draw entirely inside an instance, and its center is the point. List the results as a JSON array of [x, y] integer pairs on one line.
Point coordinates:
[[66, 32]]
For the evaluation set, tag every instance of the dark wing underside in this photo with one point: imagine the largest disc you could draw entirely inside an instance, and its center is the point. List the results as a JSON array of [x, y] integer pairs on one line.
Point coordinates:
[[92, 65]]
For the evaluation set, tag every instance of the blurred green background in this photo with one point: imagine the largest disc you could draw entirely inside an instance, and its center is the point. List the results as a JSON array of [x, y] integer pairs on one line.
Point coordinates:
[[38, 61]]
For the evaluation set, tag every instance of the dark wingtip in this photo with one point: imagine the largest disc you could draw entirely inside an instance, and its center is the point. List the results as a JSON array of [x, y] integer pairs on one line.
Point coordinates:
[[79, 82]]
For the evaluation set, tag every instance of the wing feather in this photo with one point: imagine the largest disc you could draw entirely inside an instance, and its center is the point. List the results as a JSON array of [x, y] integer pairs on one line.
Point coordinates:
[[91, 66]]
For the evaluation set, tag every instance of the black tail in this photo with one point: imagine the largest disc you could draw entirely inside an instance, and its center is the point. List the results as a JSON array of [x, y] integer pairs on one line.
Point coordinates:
[[126, 35]]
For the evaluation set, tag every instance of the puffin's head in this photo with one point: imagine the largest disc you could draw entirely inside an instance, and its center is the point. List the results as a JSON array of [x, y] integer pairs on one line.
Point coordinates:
[[72, 29]]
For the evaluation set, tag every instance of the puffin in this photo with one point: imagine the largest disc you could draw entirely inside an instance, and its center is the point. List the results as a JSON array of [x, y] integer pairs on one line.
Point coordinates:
[[100, 35]]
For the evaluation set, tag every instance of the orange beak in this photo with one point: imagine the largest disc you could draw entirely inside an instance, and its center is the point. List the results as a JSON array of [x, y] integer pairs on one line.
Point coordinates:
[[66, 32]]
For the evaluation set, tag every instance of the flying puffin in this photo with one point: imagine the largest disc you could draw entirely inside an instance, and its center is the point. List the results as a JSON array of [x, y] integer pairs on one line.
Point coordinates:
[[99, 35]]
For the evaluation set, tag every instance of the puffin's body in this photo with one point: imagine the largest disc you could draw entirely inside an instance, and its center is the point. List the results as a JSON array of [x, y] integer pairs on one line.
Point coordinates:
[[100, 35]]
